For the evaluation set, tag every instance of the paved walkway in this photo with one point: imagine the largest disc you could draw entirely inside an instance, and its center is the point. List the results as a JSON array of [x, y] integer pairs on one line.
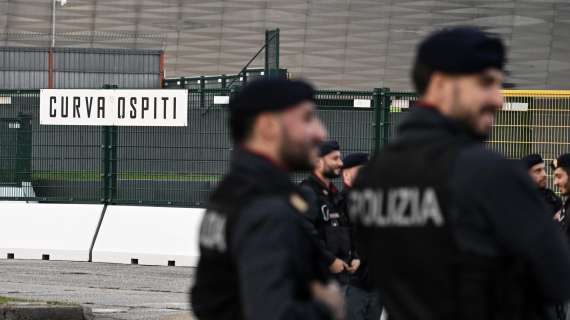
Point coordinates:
[[117, 292]]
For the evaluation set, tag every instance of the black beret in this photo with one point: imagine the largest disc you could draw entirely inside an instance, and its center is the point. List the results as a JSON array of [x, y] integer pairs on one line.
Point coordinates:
[[461, 50], [328, 147], [563, 161], [354, 159], [532, 160], [269, 94]]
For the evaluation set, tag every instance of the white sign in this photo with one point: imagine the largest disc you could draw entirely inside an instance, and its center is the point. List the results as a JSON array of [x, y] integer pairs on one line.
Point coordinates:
[[361, 103], [515, 106], [402, 104], [114, 107], [221, 100], [5, 100]]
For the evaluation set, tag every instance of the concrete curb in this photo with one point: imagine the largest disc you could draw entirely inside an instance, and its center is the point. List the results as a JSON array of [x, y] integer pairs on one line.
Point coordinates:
[[44, 312]]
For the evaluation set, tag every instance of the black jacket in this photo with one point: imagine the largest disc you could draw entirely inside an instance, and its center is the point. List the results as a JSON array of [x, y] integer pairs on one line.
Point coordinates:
[[553, 202], [469, 236], [330, 220], [257, 260]]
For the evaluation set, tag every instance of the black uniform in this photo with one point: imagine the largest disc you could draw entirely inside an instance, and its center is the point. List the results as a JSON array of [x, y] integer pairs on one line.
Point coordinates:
[[257, 261], [452, 230], [332, 224], [553, 202], [564, 216]]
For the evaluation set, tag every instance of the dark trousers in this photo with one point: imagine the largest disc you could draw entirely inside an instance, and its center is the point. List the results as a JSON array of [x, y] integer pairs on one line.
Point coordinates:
[[362, 304]]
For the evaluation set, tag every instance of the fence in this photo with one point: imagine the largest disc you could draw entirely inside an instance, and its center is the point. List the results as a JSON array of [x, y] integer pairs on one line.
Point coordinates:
[[179, 166]]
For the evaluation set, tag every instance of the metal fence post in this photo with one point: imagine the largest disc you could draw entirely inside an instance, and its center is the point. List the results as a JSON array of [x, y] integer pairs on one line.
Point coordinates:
[[377, 104], [381, 102], [386, 123], [202, 88], [105, 163], [24, 148], [272, 53], [110, 157]]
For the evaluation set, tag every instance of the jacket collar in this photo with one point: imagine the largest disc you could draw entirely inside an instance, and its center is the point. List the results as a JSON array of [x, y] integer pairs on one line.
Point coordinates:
[[426, 123], [330, 188], [260, 169]]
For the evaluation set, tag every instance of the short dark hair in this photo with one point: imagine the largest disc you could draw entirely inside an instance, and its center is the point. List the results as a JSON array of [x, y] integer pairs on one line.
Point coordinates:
[[421, 76]]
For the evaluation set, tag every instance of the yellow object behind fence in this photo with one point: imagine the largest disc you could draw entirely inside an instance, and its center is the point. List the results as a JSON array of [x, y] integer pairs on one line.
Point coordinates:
[[533, 121]]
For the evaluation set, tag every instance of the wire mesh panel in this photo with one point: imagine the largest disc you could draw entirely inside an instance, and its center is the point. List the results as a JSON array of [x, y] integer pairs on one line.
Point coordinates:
[[534, 121], [46, 163], [8, 150], [348, 117], [397, 105], [531, 121], [176, 165]]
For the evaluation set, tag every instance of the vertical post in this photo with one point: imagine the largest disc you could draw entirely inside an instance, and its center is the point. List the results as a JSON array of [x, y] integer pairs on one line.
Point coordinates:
[[105, 194], [53, 24], [110, 177], [113, 158], [272, 53], [377, 104], [162, 69], [381, 101], [50, 68], [202, 88], [386, 121], [110, 157], [24, 148]]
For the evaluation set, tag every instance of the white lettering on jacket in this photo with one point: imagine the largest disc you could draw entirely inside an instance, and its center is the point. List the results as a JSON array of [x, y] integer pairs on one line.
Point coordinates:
[[398, 207], [213, 231]]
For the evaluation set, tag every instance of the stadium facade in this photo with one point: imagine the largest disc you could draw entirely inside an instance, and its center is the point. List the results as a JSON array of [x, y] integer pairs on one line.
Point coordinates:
[[359, 44]]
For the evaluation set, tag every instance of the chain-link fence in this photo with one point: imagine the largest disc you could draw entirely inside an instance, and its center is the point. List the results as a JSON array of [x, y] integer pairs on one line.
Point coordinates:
[[179, 166]]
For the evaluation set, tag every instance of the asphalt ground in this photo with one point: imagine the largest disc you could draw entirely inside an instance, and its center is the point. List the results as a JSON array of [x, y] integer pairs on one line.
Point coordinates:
[[113, 291]]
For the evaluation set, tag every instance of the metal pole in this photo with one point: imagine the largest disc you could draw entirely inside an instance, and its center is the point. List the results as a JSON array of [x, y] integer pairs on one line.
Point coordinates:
[[53, 24]]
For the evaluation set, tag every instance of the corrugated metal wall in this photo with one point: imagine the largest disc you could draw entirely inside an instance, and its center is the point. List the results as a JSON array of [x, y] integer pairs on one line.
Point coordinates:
[[28, 68], [23, 68]]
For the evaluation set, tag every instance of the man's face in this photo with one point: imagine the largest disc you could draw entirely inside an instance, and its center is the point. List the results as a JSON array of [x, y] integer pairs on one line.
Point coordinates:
[[331, 165], [301, 134], [475, 99], [348, 175], [561, 180], [538, 175]]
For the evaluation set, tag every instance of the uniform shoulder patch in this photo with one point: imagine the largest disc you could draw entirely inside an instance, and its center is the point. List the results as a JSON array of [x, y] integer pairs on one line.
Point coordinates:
[[298, 203]]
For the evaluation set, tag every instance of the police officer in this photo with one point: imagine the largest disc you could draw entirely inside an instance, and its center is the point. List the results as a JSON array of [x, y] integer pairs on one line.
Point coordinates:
[[536, 170], [362, 300], [330, 221], [257, 261], [451, 229], [561, 167]]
